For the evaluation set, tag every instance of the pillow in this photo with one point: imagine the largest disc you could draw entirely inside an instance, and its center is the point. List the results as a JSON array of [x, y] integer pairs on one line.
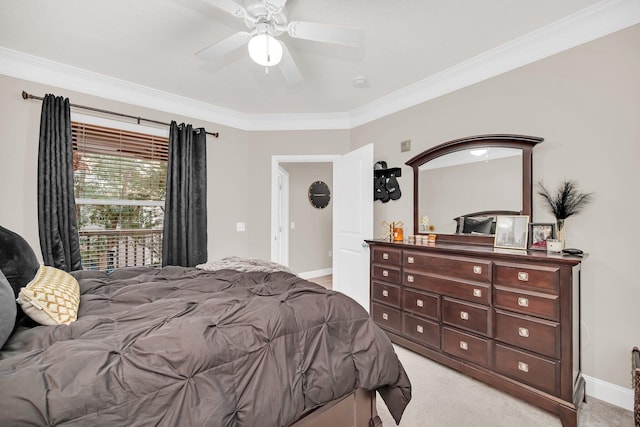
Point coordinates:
[[18, 261], [51, 298], [7, 309], [472, 225]]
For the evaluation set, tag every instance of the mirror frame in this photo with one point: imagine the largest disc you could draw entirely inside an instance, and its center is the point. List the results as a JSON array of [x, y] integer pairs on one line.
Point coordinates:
[[522, 142]]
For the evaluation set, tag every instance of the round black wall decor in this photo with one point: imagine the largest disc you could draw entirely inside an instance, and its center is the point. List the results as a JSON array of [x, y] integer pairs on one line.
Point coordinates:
[[319, 195]]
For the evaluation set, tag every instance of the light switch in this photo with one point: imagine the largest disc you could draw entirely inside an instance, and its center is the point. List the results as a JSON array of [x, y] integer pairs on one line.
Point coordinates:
[[240, 226], [293, 225]]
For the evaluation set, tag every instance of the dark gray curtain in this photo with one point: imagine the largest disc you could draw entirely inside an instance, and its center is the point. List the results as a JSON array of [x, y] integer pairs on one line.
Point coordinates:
[[57, 223], [184, 241]]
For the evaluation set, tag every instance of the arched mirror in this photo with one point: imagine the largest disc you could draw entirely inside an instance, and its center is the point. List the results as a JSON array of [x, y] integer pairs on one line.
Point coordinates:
[[463, 184]]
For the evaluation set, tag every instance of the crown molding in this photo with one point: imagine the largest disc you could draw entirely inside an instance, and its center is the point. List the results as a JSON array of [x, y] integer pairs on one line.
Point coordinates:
[[599, 20]]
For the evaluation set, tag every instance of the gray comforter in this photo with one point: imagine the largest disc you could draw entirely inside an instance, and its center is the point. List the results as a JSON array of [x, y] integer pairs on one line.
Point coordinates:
[[187, 347]]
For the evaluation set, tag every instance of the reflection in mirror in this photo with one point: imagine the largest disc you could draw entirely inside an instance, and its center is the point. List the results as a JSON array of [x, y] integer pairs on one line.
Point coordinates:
[[486, 175], [467, 181]]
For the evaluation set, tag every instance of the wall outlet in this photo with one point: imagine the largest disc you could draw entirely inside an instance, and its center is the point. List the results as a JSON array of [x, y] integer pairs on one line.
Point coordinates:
[[405, 145], [240, 226], [330, 254]]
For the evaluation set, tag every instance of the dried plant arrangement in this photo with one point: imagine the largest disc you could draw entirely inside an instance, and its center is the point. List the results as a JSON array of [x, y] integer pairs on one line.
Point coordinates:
[[567, 200]]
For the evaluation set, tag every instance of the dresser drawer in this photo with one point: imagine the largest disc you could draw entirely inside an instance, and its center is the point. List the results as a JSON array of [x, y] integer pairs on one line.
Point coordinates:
[[478, 270], [536, 371], [466, 290], [386, 317], [528, 302], [385, 293], [529, 333], [467, 316], [426, 305], [527, 276], [465, 346], [388, 256], [386, 273], [421, 330]]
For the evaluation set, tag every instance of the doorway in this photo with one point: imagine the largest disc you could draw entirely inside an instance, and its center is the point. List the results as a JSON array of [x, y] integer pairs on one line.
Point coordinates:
[[293, 217]]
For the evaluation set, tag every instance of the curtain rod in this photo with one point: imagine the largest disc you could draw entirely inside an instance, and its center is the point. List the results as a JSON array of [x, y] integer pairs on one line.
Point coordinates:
[[26, 95]]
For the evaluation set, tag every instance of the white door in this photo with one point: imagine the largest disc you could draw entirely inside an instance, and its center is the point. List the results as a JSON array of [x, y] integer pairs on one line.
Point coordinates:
[[353, 223]]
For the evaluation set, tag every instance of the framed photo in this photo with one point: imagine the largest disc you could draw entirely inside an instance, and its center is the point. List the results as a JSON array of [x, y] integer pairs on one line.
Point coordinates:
[[539, 233], [511, 231]]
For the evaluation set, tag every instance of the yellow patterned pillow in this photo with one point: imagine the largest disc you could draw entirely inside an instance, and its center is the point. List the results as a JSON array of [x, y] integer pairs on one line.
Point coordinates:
[[51, 298]]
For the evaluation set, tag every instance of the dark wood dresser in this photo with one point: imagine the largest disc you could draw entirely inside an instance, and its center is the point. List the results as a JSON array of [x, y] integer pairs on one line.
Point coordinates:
[[510, 319]]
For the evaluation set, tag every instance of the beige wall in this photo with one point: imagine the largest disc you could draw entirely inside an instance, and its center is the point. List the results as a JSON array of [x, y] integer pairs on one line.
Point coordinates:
[[264, 145], [312, 238], [586, 104]]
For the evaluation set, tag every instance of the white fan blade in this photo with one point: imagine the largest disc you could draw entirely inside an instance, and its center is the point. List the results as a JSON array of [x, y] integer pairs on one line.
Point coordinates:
[[327, 33], [288, 66], [229, 6], [223, 47]]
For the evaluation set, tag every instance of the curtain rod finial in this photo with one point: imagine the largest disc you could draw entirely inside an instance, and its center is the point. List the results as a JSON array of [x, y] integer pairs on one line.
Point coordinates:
[[25, 95]]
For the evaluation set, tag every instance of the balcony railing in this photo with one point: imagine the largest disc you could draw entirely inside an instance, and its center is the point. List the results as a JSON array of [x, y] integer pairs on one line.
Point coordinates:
[[111, 249]]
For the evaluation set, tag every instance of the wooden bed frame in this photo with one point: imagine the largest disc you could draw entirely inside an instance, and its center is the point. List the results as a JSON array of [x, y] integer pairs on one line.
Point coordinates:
[[357, 409]]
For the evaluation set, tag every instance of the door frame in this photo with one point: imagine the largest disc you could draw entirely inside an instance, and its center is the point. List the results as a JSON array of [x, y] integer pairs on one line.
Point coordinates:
[[275, 205], [282, 220]]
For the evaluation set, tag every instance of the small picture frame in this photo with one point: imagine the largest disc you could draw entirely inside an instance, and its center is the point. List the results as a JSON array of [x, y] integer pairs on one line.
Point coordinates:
[[539, 233], [511, 231]]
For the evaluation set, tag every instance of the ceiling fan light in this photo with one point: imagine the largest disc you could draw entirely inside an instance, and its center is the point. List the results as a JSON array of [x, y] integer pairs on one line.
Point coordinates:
[[265, 50]]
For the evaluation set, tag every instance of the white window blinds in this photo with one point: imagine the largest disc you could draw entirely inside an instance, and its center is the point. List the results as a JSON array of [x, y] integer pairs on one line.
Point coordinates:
[[120, 184]]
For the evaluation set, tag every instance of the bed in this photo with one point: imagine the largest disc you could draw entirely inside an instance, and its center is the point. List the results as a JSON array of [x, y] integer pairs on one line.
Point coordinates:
[[209, 346]]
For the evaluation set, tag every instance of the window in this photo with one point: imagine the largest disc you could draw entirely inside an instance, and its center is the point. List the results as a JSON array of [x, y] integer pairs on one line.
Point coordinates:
[[120, 185]]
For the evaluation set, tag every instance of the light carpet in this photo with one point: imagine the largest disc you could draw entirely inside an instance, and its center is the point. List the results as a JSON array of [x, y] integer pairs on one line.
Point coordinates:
[[442, 397]]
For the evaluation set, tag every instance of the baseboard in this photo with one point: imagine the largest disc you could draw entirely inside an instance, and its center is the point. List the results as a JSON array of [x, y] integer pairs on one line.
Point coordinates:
[[316, 273], [610, 393]]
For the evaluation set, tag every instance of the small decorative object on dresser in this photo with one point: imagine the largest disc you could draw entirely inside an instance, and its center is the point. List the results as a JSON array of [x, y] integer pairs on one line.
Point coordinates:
[[539, 234], [511, 231], [567, 201]]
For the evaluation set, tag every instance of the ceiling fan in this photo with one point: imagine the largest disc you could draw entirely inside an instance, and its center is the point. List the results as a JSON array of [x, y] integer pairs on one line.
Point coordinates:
[[266, 20]]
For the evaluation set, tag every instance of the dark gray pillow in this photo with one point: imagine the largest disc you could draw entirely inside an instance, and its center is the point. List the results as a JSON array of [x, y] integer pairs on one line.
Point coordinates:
[[8, 309], [18, 261]]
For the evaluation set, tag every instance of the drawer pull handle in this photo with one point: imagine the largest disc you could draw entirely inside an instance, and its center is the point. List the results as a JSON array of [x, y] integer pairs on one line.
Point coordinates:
[[419, 303], [523, 332], [385, 256], [464, 315], [477, 293], [420, 329], [524, 367], [523, 302], [385, 316], [523, 276], [477, 269], [410, 278], [385, 273], [464, 345], [385, 293], [410, 260]]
